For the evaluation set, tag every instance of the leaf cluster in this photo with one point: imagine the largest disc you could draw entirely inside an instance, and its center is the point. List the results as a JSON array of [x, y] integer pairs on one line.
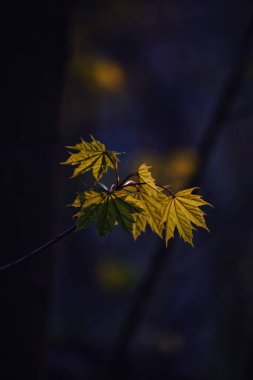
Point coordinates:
[[133, 203]]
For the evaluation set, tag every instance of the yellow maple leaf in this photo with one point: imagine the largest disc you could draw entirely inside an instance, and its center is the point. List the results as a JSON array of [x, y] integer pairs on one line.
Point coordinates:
[[182, 211], [148, 197], [145, 175], [151, 205], [91, 156]]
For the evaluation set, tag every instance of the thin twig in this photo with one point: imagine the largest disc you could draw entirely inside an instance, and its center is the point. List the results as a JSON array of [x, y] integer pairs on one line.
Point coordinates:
[[37, 250]]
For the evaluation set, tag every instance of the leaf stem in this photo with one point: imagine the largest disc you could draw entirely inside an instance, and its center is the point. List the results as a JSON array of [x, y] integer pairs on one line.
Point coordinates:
[[115, 168], [121, 184], [133, 184], [12, 264], [168, 191]]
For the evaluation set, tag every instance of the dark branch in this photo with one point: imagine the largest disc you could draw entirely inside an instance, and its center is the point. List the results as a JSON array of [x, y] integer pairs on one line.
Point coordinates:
[[38, 250]]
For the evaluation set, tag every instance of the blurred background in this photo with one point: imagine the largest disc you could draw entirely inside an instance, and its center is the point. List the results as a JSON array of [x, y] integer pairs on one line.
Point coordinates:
[[169, 83]]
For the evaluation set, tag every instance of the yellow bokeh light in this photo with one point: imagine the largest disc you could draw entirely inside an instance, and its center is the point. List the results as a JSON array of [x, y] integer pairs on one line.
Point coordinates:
[[174, 169], [108, 75], [115, 276], [97, 73]]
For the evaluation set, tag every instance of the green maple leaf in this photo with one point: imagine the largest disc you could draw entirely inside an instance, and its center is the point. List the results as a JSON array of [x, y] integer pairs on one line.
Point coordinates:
[[91, 156], [106, 210]]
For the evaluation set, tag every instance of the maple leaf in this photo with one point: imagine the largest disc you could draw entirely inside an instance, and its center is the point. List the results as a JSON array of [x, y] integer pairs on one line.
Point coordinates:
[[106, 210], [91, 156], [145, 176], [132, 204], [149, 196], [152, 213], [182, 211]]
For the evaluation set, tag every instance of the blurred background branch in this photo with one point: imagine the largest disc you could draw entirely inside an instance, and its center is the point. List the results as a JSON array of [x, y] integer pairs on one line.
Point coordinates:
[[224, 106]]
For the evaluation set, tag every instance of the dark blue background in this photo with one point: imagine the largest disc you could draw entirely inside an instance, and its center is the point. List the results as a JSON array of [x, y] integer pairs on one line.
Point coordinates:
[[61, 313]]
